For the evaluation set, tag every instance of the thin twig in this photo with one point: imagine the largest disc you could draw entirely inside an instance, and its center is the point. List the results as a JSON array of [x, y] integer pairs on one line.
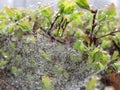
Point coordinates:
[[52, 24], [93, 24], [111, 33]]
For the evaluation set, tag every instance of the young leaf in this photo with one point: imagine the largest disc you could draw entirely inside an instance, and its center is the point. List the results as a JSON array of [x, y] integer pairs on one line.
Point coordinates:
[[47, 12], [25, 26], [13, 13], [91, 84], [47, 83], [66, 6], [116, 66], [75, 16], [2, 25], [14, 70], [83, 4], [115, 55], [110, 12], [9, 11], [79, 46], [2, 63]]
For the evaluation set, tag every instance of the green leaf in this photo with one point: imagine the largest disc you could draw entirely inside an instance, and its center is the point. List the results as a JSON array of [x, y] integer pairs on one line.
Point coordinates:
[[2, 25], [66, 6], [9, 11], [83, 4], [25, 26], [2, 17], [110, 12], [115, 55], [95, 53], [47, 12], [44, 55], [2, 63], [75, 16], [99, 66], [47, 83], [14, 70], [91, 84], [79, 46], [117, 65], [105, 44], [13, 13]]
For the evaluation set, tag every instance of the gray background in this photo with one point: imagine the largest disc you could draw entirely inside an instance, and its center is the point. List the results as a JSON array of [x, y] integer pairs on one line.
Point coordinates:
[[28, 3]]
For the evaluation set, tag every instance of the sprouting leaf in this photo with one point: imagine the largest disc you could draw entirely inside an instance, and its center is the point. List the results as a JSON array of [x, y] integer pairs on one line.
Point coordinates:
[[115, 55], [9, 11], [2, 17], [69, 8], [47, 83], [2, 25], [66, 6], [75, 16], [105, 44], [78, 45], [44, 55], [25, 26], [91, 84], [99, 66], [13, 13], [47, 12], [116, 66], [18, 13], [93, 53], [83, 4], [2, 63], [14, 70], [110, 12], [80, 34]]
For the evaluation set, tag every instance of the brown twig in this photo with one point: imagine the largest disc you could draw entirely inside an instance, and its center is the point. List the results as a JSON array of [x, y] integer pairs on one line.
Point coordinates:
[[111, 33], [93, 25], [52, 24]]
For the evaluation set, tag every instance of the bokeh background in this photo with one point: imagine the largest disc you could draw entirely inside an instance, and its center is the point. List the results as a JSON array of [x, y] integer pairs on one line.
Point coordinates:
[[30, 3]]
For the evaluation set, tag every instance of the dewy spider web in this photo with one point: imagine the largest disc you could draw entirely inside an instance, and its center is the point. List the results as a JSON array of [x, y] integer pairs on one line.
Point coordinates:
[[29, 61]]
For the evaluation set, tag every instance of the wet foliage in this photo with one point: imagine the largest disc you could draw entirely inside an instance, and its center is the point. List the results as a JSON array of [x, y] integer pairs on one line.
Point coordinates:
[[67, 49]]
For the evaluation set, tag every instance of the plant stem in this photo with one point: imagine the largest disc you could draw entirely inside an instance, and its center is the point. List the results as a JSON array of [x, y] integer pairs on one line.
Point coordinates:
[[93, 25]]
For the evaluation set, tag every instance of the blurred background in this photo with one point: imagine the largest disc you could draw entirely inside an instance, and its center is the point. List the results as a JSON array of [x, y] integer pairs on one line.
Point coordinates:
[[29, 3]]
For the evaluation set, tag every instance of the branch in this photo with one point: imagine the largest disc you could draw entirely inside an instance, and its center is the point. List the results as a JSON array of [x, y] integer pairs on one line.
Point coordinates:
[[93, 24], [111, 33], [53, 23]]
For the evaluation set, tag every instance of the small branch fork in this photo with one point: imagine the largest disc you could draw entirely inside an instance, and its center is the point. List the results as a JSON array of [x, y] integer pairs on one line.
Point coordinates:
[[92, 36], [62, 24]]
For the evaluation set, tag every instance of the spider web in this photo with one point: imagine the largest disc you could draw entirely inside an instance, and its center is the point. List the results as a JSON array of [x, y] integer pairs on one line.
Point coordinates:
[[41, 57]]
